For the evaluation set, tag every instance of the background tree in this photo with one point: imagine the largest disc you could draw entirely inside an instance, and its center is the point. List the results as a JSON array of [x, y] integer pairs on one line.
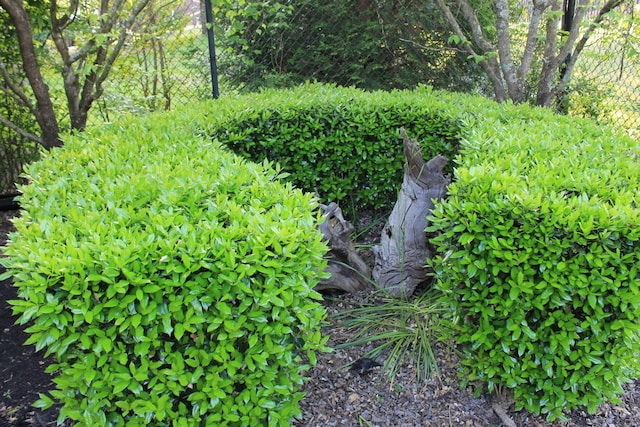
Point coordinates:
[[527, 41], [14, 88], [15, 117], [154, 63], [87, 38], [368, 44]]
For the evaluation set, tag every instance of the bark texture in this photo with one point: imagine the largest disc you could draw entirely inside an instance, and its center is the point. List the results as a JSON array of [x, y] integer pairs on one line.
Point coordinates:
[[86, 69], [43, 109], [404, 248], [348, 271], [509, 72]]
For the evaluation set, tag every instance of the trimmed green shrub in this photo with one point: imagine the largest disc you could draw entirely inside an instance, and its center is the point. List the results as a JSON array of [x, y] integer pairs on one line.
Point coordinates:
[[343, 143], [538, 239], [149, 269], [171, 280], [539, 255]]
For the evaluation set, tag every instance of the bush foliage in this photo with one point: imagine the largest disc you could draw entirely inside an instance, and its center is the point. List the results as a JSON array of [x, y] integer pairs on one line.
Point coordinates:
[[171, 280], [342, 143], [539, 255], [538, 240]]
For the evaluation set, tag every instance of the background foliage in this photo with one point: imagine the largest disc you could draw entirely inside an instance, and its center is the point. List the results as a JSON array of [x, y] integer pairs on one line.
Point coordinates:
[[371, 45], [15, 150]]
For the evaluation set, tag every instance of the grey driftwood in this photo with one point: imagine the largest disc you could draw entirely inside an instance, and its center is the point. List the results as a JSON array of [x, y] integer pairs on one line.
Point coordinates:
[[400, 258]]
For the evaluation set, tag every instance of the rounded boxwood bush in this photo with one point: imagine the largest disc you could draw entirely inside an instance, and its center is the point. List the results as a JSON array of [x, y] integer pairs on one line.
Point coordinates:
[[539, 243], [342, 143], [171, 281]]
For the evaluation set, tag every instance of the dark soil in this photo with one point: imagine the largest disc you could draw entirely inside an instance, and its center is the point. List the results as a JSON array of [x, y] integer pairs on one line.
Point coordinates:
[[22, 374], [335, 395]]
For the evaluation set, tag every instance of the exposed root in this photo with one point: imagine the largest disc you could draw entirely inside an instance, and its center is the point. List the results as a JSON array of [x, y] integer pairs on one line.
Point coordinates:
[[502, 413]]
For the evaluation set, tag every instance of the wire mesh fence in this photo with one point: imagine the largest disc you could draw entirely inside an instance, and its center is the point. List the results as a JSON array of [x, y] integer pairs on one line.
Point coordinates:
[[388, 44], [606, 83], [372, 44], [165, 63]]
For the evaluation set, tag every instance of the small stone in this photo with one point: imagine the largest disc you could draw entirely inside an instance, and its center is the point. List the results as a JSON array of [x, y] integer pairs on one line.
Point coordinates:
[[353, 397]]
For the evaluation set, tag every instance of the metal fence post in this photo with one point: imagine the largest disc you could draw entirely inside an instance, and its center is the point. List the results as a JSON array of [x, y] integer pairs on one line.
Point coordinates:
[[212, 49]]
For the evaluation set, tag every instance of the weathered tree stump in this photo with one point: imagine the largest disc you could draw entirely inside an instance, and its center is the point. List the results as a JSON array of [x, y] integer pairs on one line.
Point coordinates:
[[404, 248], [348, 271]]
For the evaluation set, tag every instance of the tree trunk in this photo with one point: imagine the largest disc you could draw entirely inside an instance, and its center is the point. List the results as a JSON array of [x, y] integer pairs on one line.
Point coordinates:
[[403, 250], [489, 65], [348, 271], [44, 111], [86, 70]]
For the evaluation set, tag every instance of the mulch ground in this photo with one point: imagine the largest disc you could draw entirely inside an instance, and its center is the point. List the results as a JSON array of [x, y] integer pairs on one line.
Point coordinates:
[[22, 370], [336, 396]]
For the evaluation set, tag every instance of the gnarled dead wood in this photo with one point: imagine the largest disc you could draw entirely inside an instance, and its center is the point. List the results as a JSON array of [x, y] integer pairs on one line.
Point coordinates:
[[404, 248], [348, 271]]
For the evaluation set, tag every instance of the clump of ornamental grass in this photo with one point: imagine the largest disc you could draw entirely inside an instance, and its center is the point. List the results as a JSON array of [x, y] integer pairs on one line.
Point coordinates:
[[400, 331]]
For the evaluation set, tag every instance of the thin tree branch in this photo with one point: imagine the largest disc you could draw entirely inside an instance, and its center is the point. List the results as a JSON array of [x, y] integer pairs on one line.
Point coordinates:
[[8, 123], [70, 16], [491, 64], [490, 69], [509, 71], [502, 413], [15, 91], [549, 66], [433, 49], [608, 7], [539, 6], [122, 38], [571, 38], [44, 112], [476, 28], [57, 27]]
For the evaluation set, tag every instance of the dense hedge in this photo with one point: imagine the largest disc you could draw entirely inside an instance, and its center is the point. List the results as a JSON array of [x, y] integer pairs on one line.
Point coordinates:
[[540, 252], [343, 143], [539, 246], [170, 280]]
